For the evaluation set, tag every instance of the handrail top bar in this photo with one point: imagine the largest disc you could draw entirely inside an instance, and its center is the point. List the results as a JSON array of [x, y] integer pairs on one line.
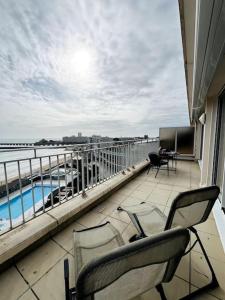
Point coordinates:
[[76, 145], [69, 152]]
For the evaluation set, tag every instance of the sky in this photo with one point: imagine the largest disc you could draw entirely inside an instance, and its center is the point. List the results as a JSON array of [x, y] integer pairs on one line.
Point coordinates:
[[107, 67]]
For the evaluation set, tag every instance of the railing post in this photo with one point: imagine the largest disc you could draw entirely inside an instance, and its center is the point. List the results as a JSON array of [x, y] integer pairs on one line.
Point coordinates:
[[82, 175], [8, 200], [21, 194], [72, 183], [31, 179], [58, 179]]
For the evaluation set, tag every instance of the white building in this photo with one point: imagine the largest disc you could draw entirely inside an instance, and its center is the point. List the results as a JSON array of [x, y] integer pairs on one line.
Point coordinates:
[[203, 36]]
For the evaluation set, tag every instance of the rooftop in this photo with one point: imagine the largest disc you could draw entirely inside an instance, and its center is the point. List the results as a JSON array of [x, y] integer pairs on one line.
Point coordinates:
[[39, 275]]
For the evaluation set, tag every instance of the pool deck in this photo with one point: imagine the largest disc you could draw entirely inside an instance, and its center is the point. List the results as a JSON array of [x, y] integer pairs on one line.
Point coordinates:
[[39, 275]]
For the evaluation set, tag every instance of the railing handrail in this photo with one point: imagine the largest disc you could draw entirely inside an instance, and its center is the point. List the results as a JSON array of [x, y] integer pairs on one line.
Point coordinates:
[[94, 166], [62, 146], [75, 151]]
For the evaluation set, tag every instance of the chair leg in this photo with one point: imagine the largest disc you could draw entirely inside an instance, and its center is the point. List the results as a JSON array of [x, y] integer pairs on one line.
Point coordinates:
[[149, 168], [157, 172], [213, 283], [160, 289], [168, 169], [66, 279]]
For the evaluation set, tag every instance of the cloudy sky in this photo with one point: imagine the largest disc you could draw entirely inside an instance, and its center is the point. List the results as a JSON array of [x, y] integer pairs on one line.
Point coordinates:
[[109, 67]]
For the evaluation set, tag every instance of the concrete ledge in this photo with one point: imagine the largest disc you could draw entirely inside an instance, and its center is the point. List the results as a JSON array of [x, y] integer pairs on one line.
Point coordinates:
[[21, 240], [23, 236]]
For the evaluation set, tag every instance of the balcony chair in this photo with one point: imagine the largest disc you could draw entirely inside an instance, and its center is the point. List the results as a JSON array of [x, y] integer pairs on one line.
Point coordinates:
[[157, 162], [187, 210], [106, 268]]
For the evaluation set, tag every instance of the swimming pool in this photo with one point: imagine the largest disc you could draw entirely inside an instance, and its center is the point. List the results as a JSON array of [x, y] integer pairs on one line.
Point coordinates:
[[15, 202]]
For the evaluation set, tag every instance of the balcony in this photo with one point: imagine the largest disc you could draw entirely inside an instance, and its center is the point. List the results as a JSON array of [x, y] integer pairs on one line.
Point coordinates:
[[39, 275]]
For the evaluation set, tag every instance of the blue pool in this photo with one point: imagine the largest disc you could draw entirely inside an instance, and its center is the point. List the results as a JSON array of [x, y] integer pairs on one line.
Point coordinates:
[[15, 203]]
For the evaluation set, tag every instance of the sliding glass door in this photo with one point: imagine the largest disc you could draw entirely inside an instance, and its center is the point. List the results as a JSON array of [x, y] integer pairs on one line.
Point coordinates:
[[219, 152]]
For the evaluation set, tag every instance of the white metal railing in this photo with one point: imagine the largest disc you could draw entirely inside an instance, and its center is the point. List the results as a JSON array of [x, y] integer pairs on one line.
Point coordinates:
[[32, 186]]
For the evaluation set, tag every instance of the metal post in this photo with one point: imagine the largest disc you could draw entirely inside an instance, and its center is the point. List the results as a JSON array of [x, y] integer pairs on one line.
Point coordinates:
[[87, 171], [82, 167], [21, 194], [59, 194], [102, 164], [78, 174], [96, 170], [8, 201], [50, 170], [42, 187], [92, 181], [71, 155], [32, 187], [66, 187]]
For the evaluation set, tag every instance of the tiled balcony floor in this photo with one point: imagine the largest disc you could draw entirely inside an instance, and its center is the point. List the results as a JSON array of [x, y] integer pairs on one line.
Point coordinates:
[[40, 274]]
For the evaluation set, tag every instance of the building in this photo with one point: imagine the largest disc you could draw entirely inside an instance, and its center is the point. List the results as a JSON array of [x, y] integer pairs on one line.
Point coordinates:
[[203, 27], [76, 139]]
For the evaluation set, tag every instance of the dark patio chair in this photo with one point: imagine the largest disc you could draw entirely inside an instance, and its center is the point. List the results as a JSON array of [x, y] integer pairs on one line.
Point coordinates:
[[105, 268], [187, 210], [157, 162]]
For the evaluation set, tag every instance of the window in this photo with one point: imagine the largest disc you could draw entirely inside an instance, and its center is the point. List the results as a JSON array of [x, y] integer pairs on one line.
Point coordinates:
[[219, 151]]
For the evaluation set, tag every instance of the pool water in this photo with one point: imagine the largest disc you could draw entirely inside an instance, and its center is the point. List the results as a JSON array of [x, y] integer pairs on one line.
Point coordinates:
[[15, 203]]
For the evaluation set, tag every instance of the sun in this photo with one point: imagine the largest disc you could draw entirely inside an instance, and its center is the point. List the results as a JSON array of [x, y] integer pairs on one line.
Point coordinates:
[[82, 61], [78, 66]]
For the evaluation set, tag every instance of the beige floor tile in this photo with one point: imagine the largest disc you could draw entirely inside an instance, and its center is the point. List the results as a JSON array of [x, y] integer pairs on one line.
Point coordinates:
[[51, 285], [212, 245], [183, 267], [159, 196], [129, 187], [172, 196], [65, 237], [91, 219], [131, 201], [29, 295], [146, 187], [165, 186], [151, 178], [179, 188], [166, 210], [176, 288], [123, 192], [106, 207], [38, 262], [201, 274], [117, 198], [208, 226], [182, 182], [141, 195], [12, 285]]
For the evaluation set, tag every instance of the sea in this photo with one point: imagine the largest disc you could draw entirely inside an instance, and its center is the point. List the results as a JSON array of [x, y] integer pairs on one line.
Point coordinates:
[[15, 154]]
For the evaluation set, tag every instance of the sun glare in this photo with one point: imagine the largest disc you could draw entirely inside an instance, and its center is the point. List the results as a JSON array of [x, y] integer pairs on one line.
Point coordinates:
[[83, 62]]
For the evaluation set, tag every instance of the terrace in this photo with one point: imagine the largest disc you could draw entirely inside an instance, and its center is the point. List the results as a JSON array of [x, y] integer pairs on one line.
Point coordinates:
[[39, 274]]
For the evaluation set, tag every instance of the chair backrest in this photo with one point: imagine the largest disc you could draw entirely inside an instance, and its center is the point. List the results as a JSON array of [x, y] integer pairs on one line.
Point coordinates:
[[132, 269], [154, 158], [192, 207]]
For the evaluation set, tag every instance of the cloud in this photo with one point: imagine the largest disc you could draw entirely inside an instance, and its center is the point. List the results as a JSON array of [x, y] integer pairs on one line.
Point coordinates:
[[99, 67]]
